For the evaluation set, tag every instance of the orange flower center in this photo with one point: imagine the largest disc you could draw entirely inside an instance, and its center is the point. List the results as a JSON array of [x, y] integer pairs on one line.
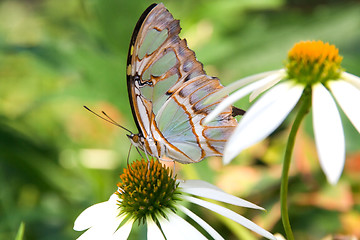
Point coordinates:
[[147, 189], [313, 61]]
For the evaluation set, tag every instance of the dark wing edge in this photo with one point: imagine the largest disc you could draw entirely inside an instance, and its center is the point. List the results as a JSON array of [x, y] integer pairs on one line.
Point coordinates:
[[129, 77]]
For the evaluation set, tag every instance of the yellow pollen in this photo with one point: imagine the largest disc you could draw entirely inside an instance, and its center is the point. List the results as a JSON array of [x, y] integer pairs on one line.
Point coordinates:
[[310, 62], [143, 194], [315, 51]]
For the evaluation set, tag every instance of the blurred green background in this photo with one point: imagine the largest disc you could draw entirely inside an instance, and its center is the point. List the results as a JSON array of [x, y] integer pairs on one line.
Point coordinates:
[[56, 159]]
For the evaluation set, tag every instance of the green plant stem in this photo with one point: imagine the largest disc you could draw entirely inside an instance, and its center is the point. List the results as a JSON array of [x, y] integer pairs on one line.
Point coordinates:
[[305, 103]]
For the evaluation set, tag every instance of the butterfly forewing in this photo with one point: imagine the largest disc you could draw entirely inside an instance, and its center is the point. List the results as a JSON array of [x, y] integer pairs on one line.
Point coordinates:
[[167, 89]]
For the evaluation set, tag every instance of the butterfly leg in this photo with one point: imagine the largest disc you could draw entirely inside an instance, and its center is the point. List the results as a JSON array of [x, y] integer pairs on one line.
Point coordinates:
[[137, 149], [128, 156], [174, 170]]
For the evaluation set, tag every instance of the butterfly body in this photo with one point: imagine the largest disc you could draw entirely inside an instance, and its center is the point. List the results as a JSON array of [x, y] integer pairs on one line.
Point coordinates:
[[167, 89]]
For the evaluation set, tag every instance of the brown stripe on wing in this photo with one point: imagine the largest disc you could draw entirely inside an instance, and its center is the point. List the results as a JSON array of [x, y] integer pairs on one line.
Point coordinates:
[[167, 143], [147, 147], [190, 97], [159, 19], [217, 144], [189, 114]]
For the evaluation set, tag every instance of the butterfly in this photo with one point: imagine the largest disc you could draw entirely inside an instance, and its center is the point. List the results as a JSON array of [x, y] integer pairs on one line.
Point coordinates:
[[167, 89]]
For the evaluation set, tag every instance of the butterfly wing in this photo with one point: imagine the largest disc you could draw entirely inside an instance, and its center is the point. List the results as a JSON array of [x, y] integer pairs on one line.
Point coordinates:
[[168, 88]]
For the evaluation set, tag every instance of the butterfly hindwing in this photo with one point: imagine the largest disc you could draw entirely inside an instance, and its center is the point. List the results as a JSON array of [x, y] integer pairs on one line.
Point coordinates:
[[167, 90]]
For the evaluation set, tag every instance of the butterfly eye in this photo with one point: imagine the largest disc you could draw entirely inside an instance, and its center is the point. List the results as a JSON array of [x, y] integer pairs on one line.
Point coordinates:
[[135, 138]]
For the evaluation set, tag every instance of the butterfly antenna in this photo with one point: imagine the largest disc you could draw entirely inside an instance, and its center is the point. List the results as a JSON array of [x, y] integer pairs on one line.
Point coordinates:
[[108, 119], [112, 120]]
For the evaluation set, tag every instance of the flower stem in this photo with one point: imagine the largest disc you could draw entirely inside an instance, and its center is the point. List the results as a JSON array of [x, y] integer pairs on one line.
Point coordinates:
[[305, 103]]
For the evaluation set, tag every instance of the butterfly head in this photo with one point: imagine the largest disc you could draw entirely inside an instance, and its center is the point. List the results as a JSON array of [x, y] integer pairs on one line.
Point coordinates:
[[135, 139]]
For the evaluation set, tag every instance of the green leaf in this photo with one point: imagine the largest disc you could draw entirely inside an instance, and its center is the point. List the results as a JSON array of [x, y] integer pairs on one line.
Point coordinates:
[[20, 233]]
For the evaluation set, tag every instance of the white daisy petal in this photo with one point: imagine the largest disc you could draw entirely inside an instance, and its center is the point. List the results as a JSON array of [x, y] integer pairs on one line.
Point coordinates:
[[354, 80], [176, 228], [328, 131], [90, 216], [231, 215], [105, 230], [124, 231], [263, 118], [275, 79], [201, 222], [95, 214], [238, 95], [238, 84], [347, 95], [215, 194], [153, 231], [195, 183], [95, 233]]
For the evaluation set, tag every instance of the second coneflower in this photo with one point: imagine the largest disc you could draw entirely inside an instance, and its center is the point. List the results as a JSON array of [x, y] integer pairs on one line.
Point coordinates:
[[312, 72]]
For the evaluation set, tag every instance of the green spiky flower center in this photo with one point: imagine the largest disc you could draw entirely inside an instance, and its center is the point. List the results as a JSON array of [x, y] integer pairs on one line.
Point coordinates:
[[147, 189], [310, 62]]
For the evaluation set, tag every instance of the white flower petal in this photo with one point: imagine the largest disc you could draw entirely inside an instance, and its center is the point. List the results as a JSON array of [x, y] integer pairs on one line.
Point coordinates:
[[104, 231], [354, 80], [215, 194], [95, 233], [231, 215], [347, 96], [201, 222], [238, 84], [102, 219], [263, 118], [238, 95], [195, 183], [153, 231], [95, 214], [124, 231], [275, 79], [328, 131], [176, 228], [90, 216]]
